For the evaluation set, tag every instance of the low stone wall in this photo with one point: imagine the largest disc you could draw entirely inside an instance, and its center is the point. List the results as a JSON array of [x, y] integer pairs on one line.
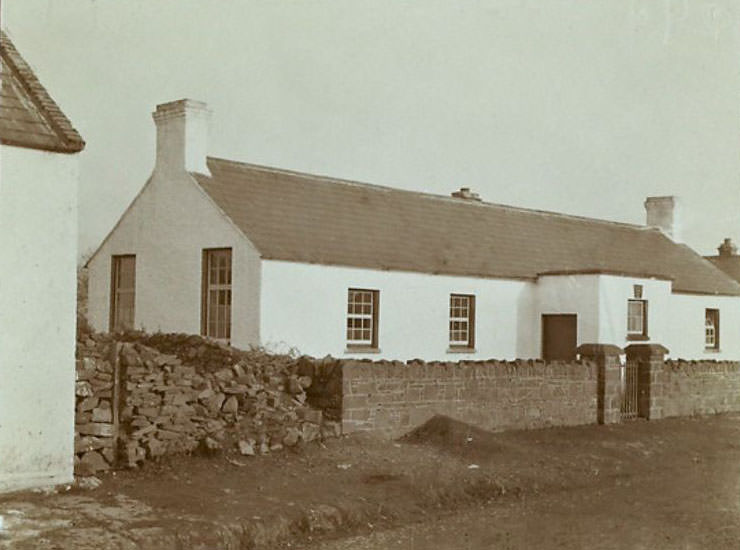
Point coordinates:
[[157, 395], [393, 398], [95, 433], [325, 393], [140, 397], [700, 387]]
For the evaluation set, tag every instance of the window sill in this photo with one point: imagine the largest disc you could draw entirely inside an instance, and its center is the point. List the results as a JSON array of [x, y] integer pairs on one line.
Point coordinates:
[[712, 350], [638, 337], [460, 350], [361, 349]]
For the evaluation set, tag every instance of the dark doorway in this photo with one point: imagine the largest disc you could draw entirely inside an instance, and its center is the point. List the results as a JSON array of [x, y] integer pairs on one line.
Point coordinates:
[[559, 337]]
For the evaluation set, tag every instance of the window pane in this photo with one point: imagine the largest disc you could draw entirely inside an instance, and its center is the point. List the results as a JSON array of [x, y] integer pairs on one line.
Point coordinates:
[[123, 293], [635, 316], [460, 319], [360, 320], [711, 323], [218, 294]]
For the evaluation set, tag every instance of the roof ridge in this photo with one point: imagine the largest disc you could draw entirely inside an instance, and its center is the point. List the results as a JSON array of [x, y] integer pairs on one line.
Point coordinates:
[[426, 194], [49, 109], [319, 222]]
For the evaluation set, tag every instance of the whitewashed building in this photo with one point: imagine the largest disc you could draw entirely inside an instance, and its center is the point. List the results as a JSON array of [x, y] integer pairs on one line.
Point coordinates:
[[265, 256], [38, 231]]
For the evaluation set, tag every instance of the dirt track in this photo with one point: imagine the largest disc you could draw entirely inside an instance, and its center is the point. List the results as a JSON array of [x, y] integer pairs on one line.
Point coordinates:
[[684, 493], [662, 513], [653, 485]]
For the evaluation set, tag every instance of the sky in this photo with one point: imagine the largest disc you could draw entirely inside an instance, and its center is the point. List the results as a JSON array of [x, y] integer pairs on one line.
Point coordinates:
[[565, 105]]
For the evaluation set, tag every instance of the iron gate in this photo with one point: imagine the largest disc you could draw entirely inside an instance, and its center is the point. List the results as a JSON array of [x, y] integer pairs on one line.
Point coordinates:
[[628, 407]]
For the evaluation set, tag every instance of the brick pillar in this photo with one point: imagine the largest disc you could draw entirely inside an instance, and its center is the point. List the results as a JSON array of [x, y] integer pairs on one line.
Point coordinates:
[[649, 360], [608, 397]]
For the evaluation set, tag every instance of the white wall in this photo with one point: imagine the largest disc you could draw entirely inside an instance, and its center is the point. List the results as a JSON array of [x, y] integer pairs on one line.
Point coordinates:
[[286, 305], [167, 227], [614, 293], [304, 307], [568, 294], [38, 236], [685, 323], [674, 320]]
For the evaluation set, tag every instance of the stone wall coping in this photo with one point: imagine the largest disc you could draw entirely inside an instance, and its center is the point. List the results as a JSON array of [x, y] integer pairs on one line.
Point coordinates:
[[701, 361], [599, 350], [464, 364], [698, 368], [645, 350]]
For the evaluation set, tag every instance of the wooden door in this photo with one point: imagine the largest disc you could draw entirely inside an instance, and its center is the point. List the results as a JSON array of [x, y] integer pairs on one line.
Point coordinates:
[[559, 337]]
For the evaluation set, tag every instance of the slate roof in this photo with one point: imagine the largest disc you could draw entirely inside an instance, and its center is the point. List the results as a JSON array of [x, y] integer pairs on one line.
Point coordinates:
[[314, 219], [729, 265], [29, 117]]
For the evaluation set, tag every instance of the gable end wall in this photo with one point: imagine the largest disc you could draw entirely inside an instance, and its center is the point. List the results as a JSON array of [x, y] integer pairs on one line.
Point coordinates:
[[167, 227]]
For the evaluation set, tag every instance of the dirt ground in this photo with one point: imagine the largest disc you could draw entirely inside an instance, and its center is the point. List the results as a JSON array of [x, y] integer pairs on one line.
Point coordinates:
[[673, 484], [666, 484], [683, 495]]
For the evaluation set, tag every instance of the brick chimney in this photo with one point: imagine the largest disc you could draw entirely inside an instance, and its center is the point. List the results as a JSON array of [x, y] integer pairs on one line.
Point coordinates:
[[727, 249], [182, 136], [466, 193], [665, 214]]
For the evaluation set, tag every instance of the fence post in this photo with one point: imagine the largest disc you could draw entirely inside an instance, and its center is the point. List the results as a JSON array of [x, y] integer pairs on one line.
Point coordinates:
[[650, 360], [608, 397]]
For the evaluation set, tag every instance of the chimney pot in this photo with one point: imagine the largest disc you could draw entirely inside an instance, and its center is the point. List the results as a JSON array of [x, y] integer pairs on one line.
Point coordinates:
[[727, 248], [182, 136], [664, 213], [466, 193]]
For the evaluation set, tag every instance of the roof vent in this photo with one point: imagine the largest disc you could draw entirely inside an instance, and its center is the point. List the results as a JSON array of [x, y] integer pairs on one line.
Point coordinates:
[[727, 248], [467, 194]]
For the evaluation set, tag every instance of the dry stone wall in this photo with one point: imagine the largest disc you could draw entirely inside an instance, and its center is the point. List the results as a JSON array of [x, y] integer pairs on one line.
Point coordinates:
[[325, 393], [95, 433], [700, 387], [143, 397]]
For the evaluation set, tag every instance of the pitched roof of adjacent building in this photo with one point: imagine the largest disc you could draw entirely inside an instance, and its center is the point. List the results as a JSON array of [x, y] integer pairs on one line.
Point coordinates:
[[315, 219], [730, 266], [29, 117], [727, 260]]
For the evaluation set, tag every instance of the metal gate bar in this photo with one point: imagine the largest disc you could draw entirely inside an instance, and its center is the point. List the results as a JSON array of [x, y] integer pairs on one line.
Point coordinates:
[[628, 408]]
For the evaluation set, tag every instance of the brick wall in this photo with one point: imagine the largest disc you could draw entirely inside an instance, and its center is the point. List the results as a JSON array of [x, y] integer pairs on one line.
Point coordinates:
[[700, 387], [393, 398]]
